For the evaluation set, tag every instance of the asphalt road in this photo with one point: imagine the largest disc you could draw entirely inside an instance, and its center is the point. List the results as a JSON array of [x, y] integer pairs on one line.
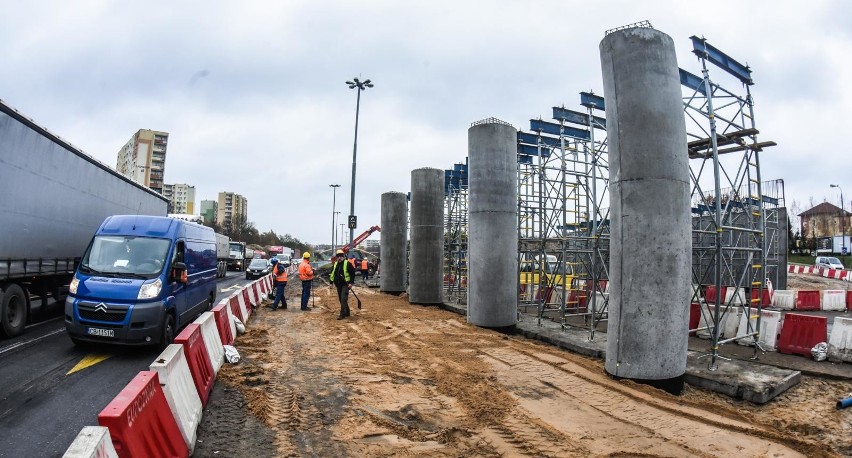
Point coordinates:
[[43, 404]]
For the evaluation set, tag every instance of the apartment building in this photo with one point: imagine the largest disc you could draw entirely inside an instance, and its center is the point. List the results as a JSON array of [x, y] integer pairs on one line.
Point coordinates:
[[143, 158], [232, 207], [181, 198], [207, 209]]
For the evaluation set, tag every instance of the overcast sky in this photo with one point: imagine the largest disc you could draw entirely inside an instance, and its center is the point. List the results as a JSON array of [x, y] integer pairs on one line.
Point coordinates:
[[253, 96]]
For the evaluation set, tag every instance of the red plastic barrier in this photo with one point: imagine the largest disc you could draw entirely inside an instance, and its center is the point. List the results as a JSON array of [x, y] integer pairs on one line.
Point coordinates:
[[198, 360], [710, 294], [140, 422], [220, 312], [577, 301], [694, 316], [801, 332], [234, 302], [247, 300], [808, 300], [767, 299], [849, 299]]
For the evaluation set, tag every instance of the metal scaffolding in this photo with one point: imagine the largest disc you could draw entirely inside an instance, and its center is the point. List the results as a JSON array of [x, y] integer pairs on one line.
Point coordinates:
[[736, 232], [455, 234], [563, 216]]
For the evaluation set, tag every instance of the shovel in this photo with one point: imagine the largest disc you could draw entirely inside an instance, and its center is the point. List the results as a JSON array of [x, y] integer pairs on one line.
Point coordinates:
[[352, 290]]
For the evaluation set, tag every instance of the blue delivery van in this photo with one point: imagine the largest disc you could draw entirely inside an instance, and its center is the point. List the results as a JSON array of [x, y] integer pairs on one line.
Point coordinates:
[[141, 279]]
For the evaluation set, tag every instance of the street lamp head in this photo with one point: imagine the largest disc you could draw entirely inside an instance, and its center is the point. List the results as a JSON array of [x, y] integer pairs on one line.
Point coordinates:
[[369, 84], [350, 83], [356, 80]]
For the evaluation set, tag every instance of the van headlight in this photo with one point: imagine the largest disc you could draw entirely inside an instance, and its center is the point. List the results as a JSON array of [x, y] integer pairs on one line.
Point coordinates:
[[72, 288], [150, 290]]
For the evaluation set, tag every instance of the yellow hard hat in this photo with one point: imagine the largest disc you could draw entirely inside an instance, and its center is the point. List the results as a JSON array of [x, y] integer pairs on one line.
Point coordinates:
[[306, 255], [339, 252]]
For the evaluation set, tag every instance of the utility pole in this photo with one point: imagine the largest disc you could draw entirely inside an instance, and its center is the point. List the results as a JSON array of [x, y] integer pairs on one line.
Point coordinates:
[[842, 220], [362, 86], [333, 205]]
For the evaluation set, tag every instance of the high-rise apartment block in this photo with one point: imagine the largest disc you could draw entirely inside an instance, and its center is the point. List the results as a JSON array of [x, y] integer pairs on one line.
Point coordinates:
[[207, 209], [232, 208], [143, 158], [181, 198]]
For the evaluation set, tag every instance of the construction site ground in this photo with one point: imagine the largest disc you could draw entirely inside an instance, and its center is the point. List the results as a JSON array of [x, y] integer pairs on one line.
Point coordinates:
[[396, 379]]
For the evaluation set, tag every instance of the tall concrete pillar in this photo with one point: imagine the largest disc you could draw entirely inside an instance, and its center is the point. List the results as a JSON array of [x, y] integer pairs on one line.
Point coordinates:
[[426, 257], [650, 242], [394, 222], [492, 299]]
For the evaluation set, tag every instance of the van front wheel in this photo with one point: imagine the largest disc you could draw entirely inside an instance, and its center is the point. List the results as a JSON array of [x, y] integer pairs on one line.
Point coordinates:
[[168, 335]]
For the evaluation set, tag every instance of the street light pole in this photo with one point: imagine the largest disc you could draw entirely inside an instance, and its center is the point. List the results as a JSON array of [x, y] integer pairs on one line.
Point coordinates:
[[362, 86], [341, 231], [333, 205], [842, 218]]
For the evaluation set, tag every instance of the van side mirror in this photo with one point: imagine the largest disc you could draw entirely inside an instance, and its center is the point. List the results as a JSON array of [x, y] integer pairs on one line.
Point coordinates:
[[179, 272]]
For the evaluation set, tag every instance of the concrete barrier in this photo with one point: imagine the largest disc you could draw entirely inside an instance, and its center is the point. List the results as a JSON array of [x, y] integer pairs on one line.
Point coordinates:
[[91, 442], [784, 299], [770, 324], [807, 300], [199, 361], [212, 341], [800, 333], [223, 323], [840, 340], [179, 389], [834, 300], [140, 421]]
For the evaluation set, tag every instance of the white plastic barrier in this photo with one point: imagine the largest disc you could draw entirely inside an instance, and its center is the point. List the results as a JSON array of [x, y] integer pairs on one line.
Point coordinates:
[[738, 300], [784, 299], [258, 291], [840, 341], [231, 317], [770, 326], [180, 391], [253, 299], [728, 321], [212, 341], [92, 442], [834, 299]]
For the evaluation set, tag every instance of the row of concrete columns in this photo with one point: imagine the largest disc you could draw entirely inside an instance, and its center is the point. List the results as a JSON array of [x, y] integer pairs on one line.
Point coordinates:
[[650, 226]]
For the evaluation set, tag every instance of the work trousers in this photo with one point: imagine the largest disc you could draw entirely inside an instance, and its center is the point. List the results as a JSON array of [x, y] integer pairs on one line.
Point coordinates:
[[306, 293], [279, 295], [343, 296]]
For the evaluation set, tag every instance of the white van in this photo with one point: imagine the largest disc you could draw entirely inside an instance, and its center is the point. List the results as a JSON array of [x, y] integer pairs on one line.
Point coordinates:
[[828, 262]]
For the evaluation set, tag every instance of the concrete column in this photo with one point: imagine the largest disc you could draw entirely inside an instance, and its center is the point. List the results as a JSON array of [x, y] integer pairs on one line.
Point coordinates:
[[650, 216], [492, 299], [426, 258], [394, 230]]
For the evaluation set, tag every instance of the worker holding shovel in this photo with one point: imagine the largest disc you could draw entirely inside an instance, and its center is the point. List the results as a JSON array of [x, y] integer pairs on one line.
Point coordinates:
[[342, 275]]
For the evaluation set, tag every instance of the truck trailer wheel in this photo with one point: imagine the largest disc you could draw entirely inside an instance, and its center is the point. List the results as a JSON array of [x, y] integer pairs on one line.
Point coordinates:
[[13, 311]]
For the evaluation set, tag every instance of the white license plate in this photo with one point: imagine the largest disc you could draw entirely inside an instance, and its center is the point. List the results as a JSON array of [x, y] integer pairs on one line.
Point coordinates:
[[101, 332]]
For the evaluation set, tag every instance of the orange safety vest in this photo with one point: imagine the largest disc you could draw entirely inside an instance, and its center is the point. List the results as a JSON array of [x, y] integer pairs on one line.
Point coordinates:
[[352, 261], [305, 271], [364, 264], [280, 278]]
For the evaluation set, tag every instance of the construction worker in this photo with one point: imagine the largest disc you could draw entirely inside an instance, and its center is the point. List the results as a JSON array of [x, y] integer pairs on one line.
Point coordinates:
[[306, 274], [342, 275], [279, 273], [365, 270]]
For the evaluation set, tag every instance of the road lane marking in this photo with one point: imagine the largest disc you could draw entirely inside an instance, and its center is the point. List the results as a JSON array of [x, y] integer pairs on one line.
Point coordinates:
[[27, 342], [224, 290], [88, 361]]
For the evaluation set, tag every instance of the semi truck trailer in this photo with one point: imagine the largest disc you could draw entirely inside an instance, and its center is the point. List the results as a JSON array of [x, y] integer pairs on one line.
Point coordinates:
[[222, 251], [55, 197]]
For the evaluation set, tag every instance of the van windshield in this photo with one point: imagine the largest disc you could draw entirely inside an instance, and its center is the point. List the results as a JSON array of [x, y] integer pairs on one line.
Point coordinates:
[[125, 256]]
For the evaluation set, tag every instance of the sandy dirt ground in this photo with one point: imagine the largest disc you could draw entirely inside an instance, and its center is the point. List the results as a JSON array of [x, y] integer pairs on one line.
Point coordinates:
[[401, 380]]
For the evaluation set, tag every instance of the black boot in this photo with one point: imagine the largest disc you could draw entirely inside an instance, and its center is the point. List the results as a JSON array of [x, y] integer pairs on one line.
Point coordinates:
[[345, 311]]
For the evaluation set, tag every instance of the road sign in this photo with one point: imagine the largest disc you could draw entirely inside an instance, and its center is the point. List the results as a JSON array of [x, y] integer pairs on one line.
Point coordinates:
[[353, 221], [845, 251]]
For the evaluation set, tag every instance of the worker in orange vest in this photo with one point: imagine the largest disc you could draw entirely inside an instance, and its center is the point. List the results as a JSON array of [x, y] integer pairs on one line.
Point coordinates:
[[306, 274], [365, 269]]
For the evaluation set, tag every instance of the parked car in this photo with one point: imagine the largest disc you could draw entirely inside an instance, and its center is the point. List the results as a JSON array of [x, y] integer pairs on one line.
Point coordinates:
[[258, 267], [829, 262]]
